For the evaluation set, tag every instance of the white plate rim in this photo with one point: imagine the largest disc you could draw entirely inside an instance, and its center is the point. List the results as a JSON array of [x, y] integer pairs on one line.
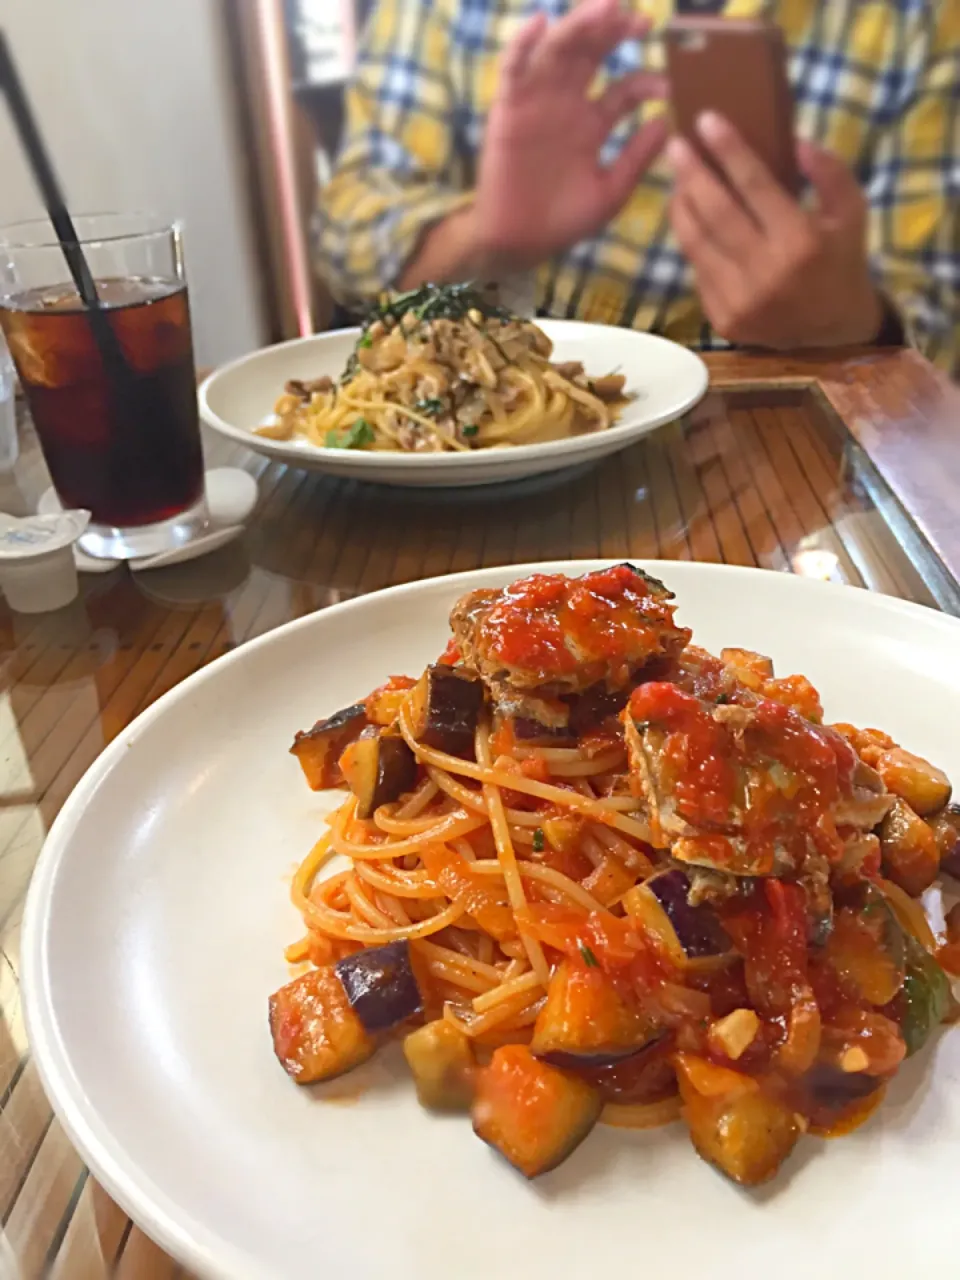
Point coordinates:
[[174, 1229], [456, 462]]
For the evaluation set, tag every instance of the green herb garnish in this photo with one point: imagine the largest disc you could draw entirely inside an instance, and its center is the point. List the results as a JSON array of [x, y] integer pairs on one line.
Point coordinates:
[[355, 436], [434, 407], [470, 429], [723, 699], [353, 364], [426, 303], [589, 958], [538, 841], [437, 302]]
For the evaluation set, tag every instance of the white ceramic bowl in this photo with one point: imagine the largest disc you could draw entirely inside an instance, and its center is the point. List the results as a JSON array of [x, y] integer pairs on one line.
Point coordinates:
[[665, 380], [154, 932]]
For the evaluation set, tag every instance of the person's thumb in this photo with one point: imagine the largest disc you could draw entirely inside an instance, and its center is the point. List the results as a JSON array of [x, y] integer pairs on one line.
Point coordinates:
[[839, 198]]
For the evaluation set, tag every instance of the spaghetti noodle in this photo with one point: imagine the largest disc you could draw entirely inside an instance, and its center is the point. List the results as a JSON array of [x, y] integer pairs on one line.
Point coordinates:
[[441, 370], [566, 934]]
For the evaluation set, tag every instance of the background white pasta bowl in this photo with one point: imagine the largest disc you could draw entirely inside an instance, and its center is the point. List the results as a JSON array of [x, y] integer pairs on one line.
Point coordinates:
[[665, 380]]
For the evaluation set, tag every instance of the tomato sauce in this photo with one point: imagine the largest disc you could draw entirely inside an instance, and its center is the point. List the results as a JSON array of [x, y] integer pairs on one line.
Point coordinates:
[[696, 750], [451, 654], [555, 626], [775, 778]]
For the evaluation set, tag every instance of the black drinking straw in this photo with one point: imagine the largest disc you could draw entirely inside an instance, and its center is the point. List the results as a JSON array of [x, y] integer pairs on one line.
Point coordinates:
[[52, 194]]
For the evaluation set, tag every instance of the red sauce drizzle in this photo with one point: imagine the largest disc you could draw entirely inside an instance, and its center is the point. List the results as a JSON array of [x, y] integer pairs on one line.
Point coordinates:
[[707, 768], [553, 625]]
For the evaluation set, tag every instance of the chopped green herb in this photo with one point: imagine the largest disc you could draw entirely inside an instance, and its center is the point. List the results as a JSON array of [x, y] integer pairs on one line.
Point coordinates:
[[436, 302], [355, 436], [589, 958], [538, 841], [427, 303], [434, 407], [470, 429], [723, 699]]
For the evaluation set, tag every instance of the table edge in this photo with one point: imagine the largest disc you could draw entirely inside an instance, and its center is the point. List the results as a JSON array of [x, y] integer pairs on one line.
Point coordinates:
[[902, 411]]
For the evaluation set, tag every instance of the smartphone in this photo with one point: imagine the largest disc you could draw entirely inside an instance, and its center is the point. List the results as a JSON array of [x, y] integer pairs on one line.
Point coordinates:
[[737, 68]]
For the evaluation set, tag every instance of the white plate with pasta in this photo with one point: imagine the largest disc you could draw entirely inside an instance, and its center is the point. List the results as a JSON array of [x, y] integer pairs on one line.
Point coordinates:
[[452, 402], [156, 925]]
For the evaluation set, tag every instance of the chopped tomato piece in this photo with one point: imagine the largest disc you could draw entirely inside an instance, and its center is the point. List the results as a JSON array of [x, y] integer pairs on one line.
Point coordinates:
[[476, 895], [535, 767], [612, 941], [609, 880], [503, 740], [451, 654]]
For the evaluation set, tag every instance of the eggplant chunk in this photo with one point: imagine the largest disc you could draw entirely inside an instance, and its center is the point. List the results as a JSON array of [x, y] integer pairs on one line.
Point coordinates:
[[316, 1035], [585, 1023], [924, 787], [380, 985], [379, 767], [693, 937], [532, 1113], [319, 749], [747, 1137], [908, 849], [531, 733], [445, 707], [440, 1058], [946, 831]]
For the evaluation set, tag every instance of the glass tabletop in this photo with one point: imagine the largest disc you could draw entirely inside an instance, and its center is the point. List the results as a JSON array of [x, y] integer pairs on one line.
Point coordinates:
[[793, 467]]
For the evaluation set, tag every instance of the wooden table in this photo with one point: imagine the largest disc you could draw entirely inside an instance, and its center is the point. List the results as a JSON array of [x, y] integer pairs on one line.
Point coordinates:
[[842, 468]]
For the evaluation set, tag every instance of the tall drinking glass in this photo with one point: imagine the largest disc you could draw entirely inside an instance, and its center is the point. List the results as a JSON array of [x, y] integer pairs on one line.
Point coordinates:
[[116, 415]]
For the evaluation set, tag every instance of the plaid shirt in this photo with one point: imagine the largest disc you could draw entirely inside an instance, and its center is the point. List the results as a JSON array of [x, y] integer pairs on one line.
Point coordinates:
[[878, 83]]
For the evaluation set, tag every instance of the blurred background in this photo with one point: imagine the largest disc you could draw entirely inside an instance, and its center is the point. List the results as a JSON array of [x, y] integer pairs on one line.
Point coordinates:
[[224, 113]]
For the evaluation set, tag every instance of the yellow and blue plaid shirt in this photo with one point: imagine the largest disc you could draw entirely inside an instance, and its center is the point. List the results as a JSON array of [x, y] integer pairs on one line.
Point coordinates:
[[876, 81]]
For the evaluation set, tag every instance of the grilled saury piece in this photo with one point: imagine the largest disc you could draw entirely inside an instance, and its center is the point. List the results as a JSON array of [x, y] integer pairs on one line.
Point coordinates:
[[541, 642], [748, 787]]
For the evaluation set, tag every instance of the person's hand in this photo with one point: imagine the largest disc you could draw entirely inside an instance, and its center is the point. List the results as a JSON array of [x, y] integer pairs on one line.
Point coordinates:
[[769, 272], [540, 184]]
